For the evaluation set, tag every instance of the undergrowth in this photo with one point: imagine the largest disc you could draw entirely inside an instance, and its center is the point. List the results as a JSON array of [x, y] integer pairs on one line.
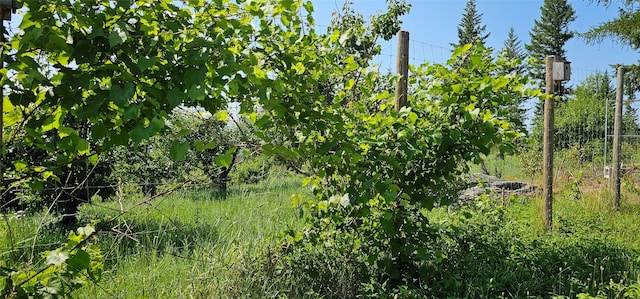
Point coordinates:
[[484, 251], [194, 244]]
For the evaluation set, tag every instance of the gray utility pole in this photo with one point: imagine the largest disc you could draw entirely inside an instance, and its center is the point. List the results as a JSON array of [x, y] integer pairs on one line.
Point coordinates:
[[617, 132]]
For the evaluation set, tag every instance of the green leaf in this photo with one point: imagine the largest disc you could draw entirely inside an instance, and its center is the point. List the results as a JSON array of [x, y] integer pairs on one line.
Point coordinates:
[[83, 147], [200, 146], [20, 165], [351, 64], [299, 68], [308, 6], [225, 159], [53, 121], [80, 260], [222, 115], [132, 112], [120, 95], [197, 93], [92, 108], [175, 97], [140, 133], [146, 63], [57, 258], [259, 73], [157, 124], [124, 3], [179, 150], [117, 37]]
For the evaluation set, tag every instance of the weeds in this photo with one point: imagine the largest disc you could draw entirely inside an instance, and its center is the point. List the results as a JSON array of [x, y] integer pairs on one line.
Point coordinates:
[[194, 244]]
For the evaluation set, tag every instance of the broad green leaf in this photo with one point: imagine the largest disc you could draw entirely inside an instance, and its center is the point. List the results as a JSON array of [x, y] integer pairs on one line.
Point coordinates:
[[222, 115], [54, 121], [83, 147], [121, 95], [124, 3], [308, 6], [7, 106], [57, 258], [179, 150], [92, 108], [259, 73], [349, 85], [86, 230], [334, 36], [210, 145], [117, 37], [198, 145], [47, 174], [146, 63], [225, 159], [175, 97], [201, 146], [299, 68], [197, 93], [350, 64], [80, 260], [157, 124], [66, 131], [132, 112], [20, 165], [139, 133]]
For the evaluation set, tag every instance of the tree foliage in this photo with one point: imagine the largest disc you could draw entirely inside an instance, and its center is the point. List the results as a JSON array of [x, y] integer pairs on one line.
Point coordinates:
[[470, 29], [624, 28], [548, 36], [550, 33], [381, 168], [122, 67], [513, 52]]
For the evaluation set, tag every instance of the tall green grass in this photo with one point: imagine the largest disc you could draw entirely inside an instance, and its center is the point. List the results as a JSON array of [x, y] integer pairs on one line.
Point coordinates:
[[187, 244], [197, 244]]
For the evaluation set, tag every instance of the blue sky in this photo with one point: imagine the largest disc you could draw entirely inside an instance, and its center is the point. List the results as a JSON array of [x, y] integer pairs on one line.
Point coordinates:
[[432, 25]]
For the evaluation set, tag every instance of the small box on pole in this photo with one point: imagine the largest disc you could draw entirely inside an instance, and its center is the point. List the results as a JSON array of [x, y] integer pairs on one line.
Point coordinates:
[[561, 71]]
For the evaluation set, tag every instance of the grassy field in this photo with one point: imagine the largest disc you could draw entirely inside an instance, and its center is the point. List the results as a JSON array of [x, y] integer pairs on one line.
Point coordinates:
[[194, 244], [187, 244]]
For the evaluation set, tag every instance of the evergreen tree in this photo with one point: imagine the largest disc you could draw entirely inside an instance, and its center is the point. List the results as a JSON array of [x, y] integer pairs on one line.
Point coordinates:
[[513, 52], [548, 37], [624, 27], [470, 29]]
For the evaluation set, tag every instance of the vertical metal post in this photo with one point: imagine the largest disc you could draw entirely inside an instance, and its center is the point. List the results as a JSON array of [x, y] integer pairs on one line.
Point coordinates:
[[547, 166], [402, 66], [617, 131]]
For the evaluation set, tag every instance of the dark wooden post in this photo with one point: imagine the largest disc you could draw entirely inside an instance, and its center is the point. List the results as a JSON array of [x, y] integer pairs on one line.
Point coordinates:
[[547, 167], [402, 66]]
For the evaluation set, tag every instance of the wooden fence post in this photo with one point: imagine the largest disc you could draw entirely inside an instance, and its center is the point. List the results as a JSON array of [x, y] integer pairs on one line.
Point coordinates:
[[547, 167], [402, 67], [617, 131]]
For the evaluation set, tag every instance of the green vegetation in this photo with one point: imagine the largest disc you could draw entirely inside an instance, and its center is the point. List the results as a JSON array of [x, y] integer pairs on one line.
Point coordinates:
[[141, 101], [195, 244]]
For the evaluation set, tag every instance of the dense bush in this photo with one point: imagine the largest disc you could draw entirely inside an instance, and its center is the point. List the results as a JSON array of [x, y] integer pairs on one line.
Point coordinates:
[[380, 171], [481, 251]]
